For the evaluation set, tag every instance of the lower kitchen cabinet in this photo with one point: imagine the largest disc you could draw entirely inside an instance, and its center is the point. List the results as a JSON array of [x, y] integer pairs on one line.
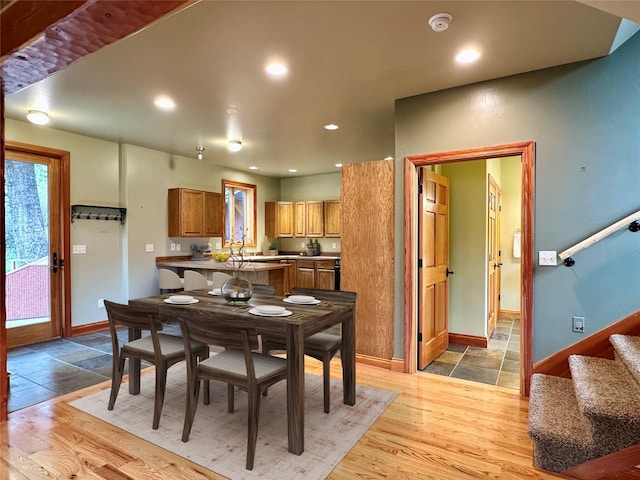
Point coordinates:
[[315, 274]]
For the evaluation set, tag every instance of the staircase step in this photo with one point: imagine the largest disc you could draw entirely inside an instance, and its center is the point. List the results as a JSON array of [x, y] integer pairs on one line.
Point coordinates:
[[562, 436], [609, 397], [628, 351]]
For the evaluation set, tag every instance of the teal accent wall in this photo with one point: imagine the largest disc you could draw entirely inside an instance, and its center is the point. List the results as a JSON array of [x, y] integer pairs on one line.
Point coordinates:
[[585, 121]]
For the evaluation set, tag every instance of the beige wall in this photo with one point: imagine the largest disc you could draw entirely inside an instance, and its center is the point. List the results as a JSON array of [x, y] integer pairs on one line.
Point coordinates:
[[511, 212]]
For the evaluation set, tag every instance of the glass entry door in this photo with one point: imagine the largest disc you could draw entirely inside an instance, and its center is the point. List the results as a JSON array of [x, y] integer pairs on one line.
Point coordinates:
[[33, 238]]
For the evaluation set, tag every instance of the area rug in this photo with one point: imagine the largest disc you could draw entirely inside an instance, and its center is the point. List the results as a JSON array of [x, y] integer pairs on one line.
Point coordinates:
[[218, 439]]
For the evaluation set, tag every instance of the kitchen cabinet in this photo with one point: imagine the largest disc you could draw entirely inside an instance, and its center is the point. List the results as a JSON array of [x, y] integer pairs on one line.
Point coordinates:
[[306, 273], [315, 274], [194, 213], [315, 219], [332, 218], [278, 219], [300, 219], [291, 272]]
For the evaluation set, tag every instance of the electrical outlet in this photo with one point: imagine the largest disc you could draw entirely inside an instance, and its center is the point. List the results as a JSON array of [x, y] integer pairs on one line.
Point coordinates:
[[178, 246], [149, 247], [578, 324], [335, 246], [101, 303], [302, 245], [173, 247], [218, 245], [548, 258], [79, 249], [210, 246]]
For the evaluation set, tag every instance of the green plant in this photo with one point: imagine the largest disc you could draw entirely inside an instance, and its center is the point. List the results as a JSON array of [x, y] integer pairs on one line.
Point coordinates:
[[273, 246]]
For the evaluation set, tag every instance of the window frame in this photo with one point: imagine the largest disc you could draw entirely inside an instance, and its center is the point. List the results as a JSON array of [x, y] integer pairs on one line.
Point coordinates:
[[251, 195]]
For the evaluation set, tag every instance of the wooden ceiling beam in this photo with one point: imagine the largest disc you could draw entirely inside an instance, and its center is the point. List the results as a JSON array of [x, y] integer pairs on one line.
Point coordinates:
[[40, 38]]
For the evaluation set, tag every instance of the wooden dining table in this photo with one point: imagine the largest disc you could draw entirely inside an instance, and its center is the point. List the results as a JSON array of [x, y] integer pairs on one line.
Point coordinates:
[[304, 321]]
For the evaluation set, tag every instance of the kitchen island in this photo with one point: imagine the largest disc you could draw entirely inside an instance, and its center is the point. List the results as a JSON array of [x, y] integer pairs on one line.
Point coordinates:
[[270, 273]]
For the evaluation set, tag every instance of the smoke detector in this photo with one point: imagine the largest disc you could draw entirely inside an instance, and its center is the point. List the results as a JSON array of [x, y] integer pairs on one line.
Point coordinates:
[[440, 22]]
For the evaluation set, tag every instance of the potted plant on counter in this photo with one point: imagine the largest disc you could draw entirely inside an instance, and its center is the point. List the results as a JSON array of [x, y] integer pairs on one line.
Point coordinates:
[[273, 248]]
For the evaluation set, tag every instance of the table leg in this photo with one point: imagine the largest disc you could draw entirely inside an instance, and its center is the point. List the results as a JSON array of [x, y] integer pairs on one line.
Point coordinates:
[[295, 388], [134, 365], [348, 358]]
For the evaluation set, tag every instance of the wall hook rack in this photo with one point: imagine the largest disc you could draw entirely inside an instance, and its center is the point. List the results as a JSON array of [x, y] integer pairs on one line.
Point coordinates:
[[98, 212]]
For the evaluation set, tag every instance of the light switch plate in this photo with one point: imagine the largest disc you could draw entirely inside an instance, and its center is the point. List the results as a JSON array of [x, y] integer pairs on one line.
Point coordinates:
[[79, 249], [149, 247], [548, 258]]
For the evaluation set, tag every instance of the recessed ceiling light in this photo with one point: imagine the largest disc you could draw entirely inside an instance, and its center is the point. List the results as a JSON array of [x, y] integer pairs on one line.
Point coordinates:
[[468, 56], [164, 103], [253, 167], [234, 145], [292, 170], [276, 69], [331, 126], [388, 158], [339, 165]]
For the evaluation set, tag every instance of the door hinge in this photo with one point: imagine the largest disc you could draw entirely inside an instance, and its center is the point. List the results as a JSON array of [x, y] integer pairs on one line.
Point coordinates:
[[419, 336], [498, 297], [419, 263], [419, 188]]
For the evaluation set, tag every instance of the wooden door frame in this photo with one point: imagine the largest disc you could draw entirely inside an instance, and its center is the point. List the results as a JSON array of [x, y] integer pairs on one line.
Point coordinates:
[[526, 151], [64, 159]]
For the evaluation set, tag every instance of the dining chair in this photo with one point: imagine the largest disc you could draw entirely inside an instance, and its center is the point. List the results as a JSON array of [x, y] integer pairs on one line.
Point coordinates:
[[238, 365], [264, 289], [160, 349], [168, 280], [218, 278], [195, 281], [322, 346]]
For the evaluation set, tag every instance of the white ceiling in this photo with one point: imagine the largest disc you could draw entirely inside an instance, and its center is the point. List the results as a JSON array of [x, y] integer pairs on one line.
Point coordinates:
[[348, 62]]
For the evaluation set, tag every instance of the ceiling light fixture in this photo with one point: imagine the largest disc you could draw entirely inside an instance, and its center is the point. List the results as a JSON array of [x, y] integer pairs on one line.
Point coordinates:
[[200, 149], [440, 22], [292, 170], [388, 158], [339, 165], [467, 56], [253, 167], [234, 145], [331, 127], [276, 69], [165, 103], [38, 117]]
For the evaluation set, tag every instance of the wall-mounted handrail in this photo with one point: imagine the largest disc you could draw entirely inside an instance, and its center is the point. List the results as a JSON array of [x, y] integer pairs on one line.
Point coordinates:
[[631, 220]]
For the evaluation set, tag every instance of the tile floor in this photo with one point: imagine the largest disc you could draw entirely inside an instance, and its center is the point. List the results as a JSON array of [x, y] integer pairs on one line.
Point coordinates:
[[46, 370], [498, 364]]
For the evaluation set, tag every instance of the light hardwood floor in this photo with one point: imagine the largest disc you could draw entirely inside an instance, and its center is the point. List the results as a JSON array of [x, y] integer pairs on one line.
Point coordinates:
[[437, 428]]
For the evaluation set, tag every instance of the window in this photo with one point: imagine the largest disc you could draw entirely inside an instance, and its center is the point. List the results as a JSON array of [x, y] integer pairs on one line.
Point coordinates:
[[239, 213]]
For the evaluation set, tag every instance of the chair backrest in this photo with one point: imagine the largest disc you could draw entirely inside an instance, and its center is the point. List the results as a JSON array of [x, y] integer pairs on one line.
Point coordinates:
[[327, 295], [264, 289], [142, 318], [218, 278], [194, 280], [168, 279]]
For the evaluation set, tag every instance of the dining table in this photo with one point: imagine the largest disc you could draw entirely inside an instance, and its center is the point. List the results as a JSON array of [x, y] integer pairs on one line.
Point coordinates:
[[304, 320]]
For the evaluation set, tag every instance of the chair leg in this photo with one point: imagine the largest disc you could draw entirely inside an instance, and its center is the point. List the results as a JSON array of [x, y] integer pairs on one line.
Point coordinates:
[[193, 391], [117, 370], [161, 384], [230, 398], [326, 375], [252, 427]]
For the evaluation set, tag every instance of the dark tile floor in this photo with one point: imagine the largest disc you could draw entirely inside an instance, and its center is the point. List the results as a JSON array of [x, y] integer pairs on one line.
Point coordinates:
[[498, 364], [46, 370]]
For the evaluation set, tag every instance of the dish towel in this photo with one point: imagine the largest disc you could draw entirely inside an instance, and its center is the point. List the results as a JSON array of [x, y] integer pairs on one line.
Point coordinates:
[[516, 245]]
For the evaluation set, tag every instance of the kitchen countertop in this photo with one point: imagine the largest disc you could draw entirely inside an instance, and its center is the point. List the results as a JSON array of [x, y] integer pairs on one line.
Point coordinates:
[[225, 266]]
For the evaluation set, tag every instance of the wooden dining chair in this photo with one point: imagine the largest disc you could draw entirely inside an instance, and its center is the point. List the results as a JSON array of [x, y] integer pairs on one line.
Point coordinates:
[[322, 346], [195, 281], [160, 349], [238, 365], [264, 289]]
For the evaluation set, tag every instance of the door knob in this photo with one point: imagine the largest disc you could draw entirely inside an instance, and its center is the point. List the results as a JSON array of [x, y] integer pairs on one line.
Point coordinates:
[[497, 265], [449, 272]]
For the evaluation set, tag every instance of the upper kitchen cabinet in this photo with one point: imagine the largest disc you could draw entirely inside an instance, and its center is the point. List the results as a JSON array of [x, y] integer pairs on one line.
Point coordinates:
[[194, 213], [300, 219], [278, 219], [315, 219], [332, 218]]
